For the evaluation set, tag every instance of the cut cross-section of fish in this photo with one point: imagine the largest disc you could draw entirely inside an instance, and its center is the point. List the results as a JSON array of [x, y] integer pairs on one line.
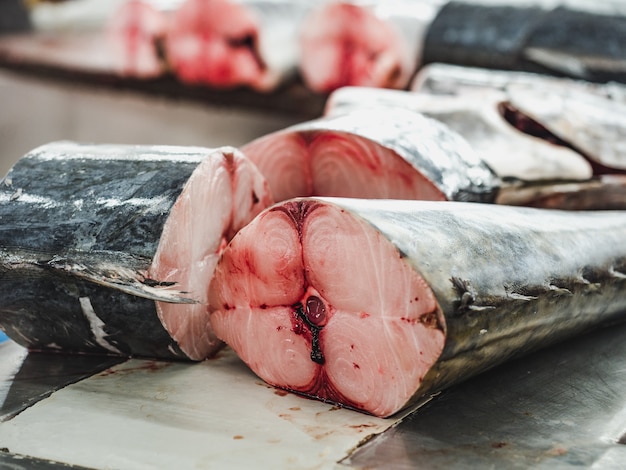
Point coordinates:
[[109, 248], [234, 43], [374, 44], [372, 153], [375, 304], [136, 32]]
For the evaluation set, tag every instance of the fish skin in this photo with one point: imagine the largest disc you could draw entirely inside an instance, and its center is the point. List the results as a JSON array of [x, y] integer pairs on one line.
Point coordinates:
[[553, 270], [589, 117], [559, 40], [448, 79]]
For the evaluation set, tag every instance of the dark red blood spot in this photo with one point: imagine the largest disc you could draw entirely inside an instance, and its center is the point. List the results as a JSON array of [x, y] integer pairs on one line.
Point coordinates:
[[255, 198], [303, 324], [356, 366], [279, 327], [362, 426], [263, 306], [429, 320], [298, 328], [315, 310]]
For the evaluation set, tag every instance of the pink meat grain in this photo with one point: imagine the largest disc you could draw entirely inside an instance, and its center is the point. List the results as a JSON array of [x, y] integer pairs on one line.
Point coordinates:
[[345, 44], [219, 198], [316, 301], [213, 42]]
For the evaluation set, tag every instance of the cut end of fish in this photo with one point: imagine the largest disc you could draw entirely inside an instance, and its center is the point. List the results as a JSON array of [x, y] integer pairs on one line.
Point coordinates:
[[316, 301], [217, 43], [334, 163], [345, 44], [224, 193], [135, 35]]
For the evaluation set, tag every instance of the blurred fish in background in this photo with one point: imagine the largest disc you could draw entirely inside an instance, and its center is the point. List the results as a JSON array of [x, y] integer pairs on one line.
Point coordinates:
[[14, 17]]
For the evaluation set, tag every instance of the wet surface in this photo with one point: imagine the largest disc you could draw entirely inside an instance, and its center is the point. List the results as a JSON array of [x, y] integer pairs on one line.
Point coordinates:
[[26, 378], [563, 408]]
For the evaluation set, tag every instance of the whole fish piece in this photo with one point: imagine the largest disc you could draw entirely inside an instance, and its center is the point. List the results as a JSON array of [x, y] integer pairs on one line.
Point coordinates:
[[364, 43], [376, 304], [110, 248], [584, 42], [372, 153], [234, 43]]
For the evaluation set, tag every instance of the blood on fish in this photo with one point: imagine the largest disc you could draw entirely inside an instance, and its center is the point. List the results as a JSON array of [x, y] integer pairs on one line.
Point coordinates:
[[315, 311]]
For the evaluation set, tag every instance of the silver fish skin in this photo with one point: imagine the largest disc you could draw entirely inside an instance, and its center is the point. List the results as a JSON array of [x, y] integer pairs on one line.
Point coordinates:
[[587, 116], [523, 278], [449, 79]]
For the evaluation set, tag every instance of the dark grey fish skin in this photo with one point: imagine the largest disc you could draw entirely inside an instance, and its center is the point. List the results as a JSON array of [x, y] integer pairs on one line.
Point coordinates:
[[562, 40], [508, 280], [79, 227]]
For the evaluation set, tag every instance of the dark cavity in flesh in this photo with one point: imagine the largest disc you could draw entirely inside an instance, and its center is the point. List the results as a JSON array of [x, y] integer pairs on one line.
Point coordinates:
[[313, 315], [529, 126], [249, 41]]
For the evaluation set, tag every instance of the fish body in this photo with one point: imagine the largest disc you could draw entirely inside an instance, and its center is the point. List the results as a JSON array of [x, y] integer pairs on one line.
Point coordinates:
[[449, 79], [364, 43], [376, 304], [136, 33], [553, 145], [372, 153], [99, 252], [558, 39], [235, 43], [479, 118]]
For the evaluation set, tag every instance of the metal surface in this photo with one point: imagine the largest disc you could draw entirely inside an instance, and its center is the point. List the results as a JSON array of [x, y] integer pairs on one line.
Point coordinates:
[[561, 408], [26, 379], [214, 414]]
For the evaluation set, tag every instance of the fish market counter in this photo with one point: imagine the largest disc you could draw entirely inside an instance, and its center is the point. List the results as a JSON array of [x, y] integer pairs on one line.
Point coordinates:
[[562, 407]]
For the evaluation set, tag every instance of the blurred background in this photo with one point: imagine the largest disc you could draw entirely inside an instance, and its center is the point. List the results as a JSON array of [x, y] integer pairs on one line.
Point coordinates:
[[223, 72]]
